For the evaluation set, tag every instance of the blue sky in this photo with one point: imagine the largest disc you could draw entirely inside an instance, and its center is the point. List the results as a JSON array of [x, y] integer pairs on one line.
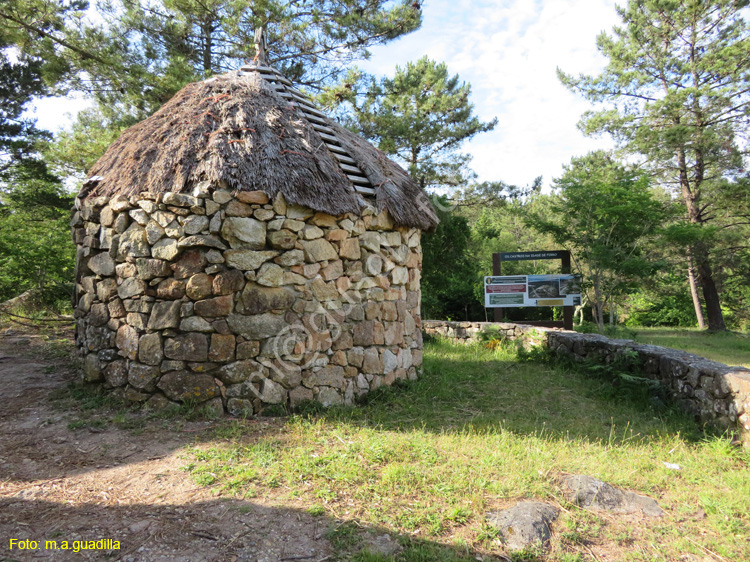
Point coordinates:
[[508, 51]]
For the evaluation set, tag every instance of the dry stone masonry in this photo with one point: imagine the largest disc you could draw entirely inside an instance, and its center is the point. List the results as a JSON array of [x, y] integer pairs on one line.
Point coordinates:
[[715, 393], [233, 301]]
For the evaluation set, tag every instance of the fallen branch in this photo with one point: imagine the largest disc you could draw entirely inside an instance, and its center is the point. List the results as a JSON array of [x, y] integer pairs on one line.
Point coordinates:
[[61, 319]]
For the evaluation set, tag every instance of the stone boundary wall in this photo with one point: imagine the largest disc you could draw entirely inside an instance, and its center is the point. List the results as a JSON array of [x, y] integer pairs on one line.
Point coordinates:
[[715, 393]]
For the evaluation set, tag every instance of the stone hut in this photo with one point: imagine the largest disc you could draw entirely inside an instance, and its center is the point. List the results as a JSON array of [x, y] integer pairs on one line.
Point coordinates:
[[239, 249]]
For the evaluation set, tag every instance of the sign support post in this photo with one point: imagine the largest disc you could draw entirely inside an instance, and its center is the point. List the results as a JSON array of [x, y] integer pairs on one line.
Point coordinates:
[[497, 269], [567, 310]]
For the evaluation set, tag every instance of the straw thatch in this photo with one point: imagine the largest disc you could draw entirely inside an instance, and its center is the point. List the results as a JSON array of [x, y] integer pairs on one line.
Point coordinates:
[[235, 130]]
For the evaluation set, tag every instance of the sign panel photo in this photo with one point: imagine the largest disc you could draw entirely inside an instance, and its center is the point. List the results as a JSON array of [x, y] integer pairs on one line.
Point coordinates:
[[532, 290]]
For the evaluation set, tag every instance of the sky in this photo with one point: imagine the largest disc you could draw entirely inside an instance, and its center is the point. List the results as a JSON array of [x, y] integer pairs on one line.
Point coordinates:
[[508, 50]]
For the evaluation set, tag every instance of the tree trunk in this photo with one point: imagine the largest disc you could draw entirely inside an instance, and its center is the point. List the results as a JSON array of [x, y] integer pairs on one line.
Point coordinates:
[[699, 252], [207, 48], [694, 294], [598, 304], [710, 293], [579, 310]]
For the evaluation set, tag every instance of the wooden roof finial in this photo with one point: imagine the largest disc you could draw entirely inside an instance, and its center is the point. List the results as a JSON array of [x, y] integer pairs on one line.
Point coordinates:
[[260, 46]]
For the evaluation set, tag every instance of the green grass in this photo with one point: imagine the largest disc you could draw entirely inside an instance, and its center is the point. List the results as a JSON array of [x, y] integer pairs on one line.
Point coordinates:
[[480, 430], [731, 348]]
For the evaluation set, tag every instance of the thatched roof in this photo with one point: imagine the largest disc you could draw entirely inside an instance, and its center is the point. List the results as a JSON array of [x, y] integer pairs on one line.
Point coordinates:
[[255, 133]]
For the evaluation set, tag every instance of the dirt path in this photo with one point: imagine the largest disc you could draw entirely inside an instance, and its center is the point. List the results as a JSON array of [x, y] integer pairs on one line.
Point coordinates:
[[61, 484]]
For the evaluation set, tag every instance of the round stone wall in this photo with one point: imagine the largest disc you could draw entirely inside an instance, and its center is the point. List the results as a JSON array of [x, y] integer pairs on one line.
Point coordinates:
[[236, 302]]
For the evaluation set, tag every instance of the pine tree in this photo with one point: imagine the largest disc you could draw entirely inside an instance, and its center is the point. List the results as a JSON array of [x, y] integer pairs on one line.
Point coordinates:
[[35, 248], [676, 87], [422, 116], [136, 54]]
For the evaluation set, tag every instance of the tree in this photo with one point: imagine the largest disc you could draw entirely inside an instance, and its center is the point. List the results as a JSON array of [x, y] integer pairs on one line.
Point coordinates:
[[147, 49], [497, 220], [448, 272], [20, 80], [75, 150], [604, 214], [422, 116], [676, 81], [136, 54], [661, 301], [35, 249]]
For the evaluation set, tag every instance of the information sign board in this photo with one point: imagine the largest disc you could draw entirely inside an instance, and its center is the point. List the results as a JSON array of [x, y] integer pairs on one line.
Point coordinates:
[[531, 290], [540, 255]]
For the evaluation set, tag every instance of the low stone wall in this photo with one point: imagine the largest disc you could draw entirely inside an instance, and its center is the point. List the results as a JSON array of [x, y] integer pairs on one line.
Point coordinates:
[[715, 393], [468, 332]]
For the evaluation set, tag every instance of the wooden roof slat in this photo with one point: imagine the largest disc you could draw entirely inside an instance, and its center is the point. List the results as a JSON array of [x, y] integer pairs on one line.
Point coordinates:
[[344, 158], [262, 69], [323, 129], [336, 149], [361, 180], [315, 118], [307, 107], [351, 169], [328, 137], [283, 80], [318, 120]]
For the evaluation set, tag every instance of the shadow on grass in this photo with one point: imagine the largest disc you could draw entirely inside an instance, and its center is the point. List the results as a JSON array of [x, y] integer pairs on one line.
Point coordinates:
[[215, 530], [471, 388]]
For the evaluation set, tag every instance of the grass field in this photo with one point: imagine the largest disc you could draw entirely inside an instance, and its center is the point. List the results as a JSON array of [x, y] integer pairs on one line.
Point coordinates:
[[479, 431], [731, 348]]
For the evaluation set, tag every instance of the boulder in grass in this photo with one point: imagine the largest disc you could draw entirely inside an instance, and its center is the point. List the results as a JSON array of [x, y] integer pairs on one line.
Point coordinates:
[[525, 525], [593, 494]]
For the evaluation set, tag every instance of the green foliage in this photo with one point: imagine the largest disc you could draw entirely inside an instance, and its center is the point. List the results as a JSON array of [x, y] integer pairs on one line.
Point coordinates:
[[140, 50], [497, 219], [502, 228], [448, 272], [622, 380], [663, 308], [35, 248], [77, 149], [133, 55], [491, 333], [40, 29], [19, 81], [422, 116], [676, 95], [604, 214]]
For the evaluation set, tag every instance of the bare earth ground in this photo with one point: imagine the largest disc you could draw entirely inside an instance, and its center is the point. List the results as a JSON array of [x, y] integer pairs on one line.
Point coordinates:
[[63, 482], [70, 485]]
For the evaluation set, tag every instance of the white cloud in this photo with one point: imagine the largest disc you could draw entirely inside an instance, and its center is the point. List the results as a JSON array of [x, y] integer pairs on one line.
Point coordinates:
[[509, 52], [58, 113]]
